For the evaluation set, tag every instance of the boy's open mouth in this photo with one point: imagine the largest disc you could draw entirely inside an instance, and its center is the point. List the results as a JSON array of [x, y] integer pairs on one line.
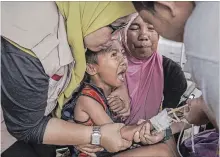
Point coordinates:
[[121, 74]]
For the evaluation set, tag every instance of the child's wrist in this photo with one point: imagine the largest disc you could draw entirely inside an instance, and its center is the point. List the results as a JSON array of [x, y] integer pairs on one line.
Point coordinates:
[[167, 134]]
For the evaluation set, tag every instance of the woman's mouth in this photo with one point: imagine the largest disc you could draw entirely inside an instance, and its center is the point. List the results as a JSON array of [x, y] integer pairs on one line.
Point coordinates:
[[144, 45]]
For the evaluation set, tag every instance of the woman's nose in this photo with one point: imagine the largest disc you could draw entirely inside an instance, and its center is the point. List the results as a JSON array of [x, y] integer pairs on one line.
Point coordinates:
[[144, 34]]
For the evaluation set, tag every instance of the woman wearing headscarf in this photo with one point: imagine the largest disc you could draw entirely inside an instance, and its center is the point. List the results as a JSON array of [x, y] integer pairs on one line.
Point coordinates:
[[43, 62], [153, 81]]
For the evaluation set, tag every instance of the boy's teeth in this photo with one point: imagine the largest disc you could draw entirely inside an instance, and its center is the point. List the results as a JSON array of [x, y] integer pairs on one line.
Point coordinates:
[[121, 77]]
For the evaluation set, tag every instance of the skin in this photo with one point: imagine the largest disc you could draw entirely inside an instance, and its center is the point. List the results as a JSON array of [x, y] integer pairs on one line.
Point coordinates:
[[109, 64], [118, 104], [66, 133], [142, 39], [169, 18], [103, 37], [194, 114], [60, 132], [112, 60]]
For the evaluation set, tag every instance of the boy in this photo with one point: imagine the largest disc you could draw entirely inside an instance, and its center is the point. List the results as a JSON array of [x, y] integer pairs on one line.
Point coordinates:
[[105, 72]]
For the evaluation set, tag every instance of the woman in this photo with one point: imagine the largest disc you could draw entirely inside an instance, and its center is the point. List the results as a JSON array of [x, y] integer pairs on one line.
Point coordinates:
[[151, 79], [43, 62]]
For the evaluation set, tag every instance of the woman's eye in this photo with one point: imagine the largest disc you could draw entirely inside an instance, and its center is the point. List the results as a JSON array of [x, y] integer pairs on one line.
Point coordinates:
[[134, 27]]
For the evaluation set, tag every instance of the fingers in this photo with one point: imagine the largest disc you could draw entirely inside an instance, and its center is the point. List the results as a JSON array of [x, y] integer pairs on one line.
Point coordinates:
[[90, 154], [147, 129], [145, 136], [140, 121], [137, 137], [116, 110], [148, 139], [142, 137], [116, 104], [152, 139], [137, 134], [124, 112], [111, 99], [89, 148], [125, 144]]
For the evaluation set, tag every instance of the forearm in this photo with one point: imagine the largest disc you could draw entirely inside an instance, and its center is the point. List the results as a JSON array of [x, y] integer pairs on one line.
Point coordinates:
[[128, 132], [171, 143], [60, 132], [177, 127]]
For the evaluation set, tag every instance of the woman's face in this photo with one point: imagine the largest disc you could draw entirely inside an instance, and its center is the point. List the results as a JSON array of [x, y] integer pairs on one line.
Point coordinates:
[[142, 39], [103, 37], [168, 18]]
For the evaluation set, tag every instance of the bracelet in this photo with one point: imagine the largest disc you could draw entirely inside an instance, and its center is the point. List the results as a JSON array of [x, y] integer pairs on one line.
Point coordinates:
[[168, 134]]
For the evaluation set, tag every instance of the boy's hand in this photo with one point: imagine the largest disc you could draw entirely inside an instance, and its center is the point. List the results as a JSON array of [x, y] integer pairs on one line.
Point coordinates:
[[118, 106], [119, 102]]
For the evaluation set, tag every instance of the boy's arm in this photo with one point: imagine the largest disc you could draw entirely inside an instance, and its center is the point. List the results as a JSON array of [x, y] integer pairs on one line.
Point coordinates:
[[98, 115], [121, 92], [94, 109]]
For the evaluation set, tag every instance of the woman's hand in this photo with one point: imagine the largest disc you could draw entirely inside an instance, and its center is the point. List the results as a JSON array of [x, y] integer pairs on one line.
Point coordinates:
[[112, 139], [145, 135], [128, 132], [89, 149]]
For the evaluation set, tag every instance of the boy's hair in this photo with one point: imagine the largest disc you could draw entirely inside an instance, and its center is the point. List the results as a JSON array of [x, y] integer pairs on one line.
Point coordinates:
[[144, 5], [92, 57]]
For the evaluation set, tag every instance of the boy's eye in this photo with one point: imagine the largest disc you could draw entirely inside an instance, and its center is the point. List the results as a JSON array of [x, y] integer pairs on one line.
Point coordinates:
[[123, 51], [151, 28], [114, 54]]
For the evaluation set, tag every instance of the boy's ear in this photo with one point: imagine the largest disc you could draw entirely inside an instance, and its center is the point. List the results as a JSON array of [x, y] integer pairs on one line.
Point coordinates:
[[91, 69]]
